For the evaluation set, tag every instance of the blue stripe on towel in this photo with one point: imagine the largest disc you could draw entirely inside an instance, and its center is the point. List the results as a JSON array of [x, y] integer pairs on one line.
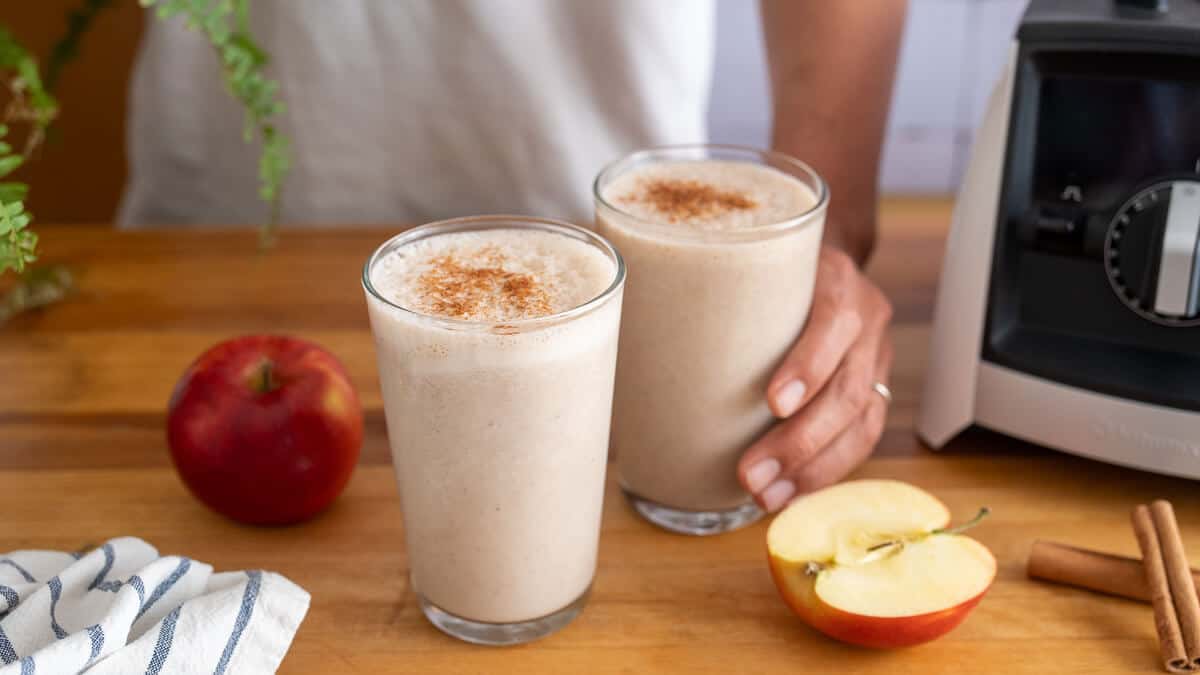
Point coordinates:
[[140, 587], [243, 618], [162, 649], [7, 653], [164, 586], [108, 563], [10, 596], [96, 634], [55, 592], [24, 573], [28, 667], [110, 586]]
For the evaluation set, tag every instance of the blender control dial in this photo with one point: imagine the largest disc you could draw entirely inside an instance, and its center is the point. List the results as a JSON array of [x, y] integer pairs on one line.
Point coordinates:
[[1152, 252]]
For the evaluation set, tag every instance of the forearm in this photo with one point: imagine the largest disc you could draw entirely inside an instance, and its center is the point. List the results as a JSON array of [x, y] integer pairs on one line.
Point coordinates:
[[832, 65]]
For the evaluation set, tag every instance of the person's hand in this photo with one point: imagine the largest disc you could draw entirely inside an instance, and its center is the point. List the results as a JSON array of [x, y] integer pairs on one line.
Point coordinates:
[[823, 392]]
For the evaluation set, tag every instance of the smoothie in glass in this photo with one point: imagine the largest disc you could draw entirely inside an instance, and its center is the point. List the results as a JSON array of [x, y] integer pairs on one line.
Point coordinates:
[[497, 339], [721, 245]]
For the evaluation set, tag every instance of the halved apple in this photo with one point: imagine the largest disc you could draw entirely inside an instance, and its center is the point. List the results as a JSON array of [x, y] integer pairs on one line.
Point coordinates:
[[870, 562]]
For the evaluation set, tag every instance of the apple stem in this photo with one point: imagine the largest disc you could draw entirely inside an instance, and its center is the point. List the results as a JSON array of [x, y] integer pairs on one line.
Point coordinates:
[[266, 378], [812, 568], [959, 529]]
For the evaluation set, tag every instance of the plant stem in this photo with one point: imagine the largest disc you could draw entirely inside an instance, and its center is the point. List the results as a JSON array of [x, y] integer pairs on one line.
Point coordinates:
[[226, 24], [266, 233], [67, 47], [37, 287]]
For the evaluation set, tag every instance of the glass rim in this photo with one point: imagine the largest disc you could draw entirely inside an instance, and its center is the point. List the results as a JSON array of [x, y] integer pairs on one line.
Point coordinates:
[[499, 222], [768, 158]]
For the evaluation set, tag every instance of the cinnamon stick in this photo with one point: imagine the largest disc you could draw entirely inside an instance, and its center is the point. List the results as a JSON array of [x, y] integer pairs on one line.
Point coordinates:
[[1166, 619], [1102, 572], [1179, 577]]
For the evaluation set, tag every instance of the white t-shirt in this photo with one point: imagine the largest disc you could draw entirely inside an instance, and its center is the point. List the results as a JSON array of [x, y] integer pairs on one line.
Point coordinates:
[[405, 111]]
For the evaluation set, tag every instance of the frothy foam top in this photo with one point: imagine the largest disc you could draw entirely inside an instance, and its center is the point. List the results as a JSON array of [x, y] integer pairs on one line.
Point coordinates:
[[493, 275], [710, 194]]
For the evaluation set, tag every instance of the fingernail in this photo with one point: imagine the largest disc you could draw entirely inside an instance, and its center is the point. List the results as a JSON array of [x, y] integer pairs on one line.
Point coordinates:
[[778, 494], [761, 474], [788, 398]]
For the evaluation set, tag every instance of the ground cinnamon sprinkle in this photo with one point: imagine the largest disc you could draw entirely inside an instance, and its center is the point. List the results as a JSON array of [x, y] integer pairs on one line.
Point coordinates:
[[680, 199], [462, 291]]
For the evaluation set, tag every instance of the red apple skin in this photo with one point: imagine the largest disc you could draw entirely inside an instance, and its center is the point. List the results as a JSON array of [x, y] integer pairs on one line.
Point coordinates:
[[799, 592], [271, 455]]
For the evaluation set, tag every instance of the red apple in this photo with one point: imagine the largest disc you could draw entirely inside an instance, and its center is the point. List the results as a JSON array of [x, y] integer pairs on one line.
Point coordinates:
[[872, 563], [265, 429]]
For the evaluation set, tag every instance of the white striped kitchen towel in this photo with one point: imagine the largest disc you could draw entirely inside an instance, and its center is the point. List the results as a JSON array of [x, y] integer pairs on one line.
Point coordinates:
[[123, 609]]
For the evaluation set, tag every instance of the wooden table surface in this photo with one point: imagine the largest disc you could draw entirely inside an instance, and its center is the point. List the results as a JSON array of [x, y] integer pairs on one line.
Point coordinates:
[[84, 386]]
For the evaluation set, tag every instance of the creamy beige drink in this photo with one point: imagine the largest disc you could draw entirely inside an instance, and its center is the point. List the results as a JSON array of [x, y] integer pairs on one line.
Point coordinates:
[[497, 341], [721, 246]]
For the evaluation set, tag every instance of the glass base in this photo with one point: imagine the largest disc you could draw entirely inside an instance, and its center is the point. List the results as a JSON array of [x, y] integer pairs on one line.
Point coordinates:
[[696, 523], [501, 634]]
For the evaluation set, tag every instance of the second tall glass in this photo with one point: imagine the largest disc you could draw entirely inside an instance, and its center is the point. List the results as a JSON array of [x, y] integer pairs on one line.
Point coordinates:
[[721, 244]]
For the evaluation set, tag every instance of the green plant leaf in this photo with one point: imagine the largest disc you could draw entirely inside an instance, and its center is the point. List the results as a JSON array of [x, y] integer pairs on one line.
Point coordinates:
[[18, 246], [13, 192], [9, 163], [245, 44], [29, 101]]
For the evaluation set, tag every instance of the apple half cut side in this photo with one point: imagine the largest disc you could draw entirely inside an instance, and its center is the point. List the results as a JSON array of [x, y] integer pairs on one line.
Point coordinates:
[[864, 562]]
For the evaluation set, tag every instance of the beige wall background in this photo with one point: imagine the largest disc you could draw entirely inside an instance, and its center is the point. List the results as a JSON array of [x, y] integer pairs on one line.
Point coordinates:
[[950, 58]]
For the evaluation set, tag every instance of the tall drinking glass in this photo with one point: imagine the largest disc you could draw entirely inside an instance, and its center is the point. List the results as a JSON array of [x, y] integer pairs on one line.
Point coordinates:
[[721, 244], [496, 339]]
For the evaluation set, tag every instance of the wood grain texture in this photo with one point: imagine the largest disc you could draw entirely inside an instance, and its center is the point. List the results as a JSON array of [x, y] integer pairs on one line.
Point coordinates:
[[83, 387]]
